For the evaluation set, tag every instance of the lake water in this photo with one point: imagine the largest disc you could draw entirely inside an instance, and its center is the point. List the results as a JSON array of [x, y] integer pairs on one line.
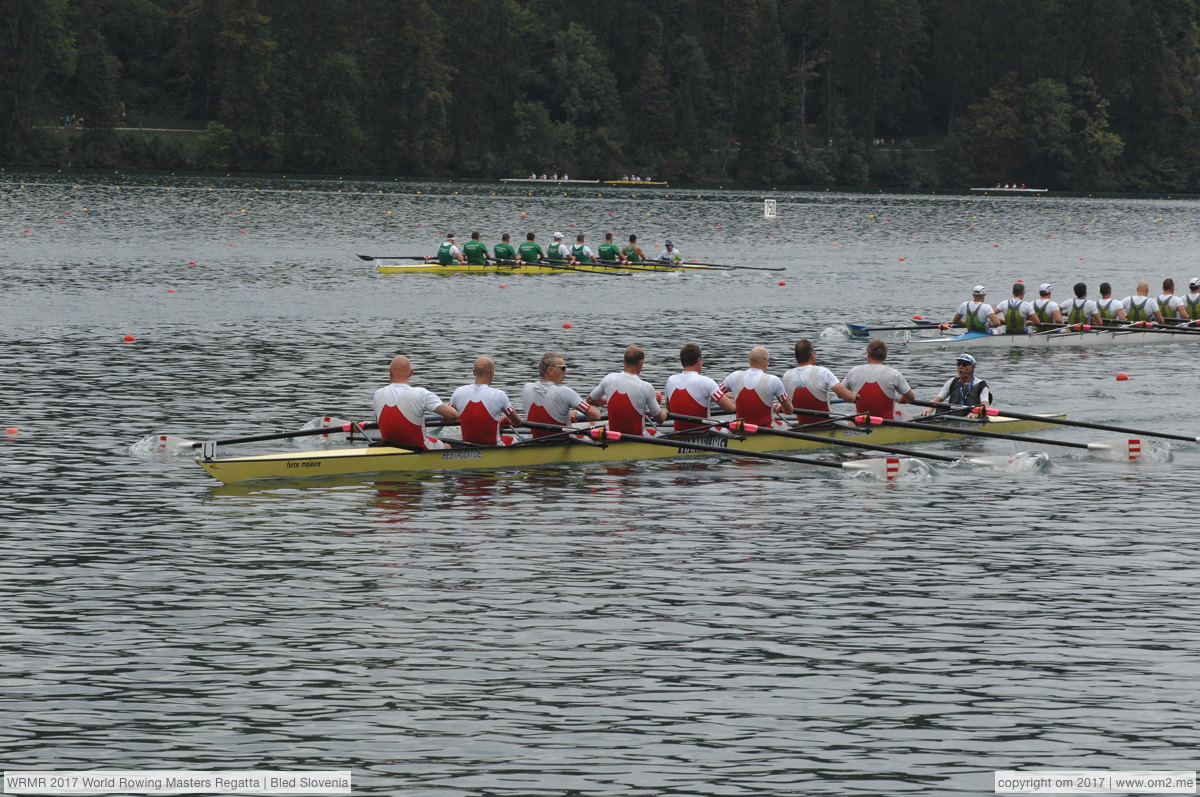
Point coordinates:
[[707, 627]]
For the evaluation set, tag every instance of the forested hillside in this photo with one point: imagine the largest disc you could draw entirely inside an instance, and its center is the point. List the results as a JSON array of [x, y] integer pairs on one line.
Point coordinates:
[[1067, 94]]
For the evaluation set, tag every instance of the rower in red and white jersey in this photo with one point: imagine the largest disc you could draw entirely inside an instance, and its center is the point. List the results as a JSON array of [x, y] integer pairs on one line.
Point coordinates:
[[1170, 305], [629, 398], [808, 385], [690, 392], [400, 408], [481, 407], [878, 386], [755, 391], [549, 400]]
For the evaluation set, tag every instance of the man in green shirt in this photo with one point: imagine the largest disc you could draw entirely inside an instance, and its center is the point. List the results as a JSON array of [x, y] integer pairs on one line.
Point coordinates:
[[530, 251], [475, 251], [505, 252], [633, 253], [448, 253], [609, 251]]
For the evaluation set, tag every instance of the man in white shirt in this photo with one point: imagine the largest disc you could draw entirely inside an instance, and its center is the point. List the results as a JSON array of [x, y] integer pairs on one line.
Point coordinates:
[[481, 407], [557, 251], [1046, 309], [629, 398], [400, 408], [549, 400], [1017, 313], [878, 386], [1170, 305], [1191, 302], [976, 314], [809, 385], [690, 392], [755, 392], [1081, 309], [1141, 307]]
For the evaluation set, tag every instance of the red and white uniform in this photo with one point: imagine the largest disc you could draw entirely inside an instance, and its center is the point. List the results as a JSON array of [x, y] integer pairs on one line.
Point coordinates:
[[808, 386], [878, 386], [630, 401], [691, 393], [753, 393], [546, 402], [400, 409], [480, 408]]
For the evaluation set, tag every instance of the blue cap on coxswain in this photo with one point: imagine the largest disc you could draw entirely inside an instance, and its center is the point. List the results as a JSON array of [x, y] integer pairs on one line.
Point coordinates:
[[668, 243], [965, 358]]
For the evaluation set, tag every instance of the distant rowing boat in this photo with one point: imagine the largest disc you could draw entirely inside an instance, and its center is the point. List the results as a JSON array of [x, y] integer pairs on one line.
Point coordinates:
[[1011, 190], [1044, 340], [392, 267], [634, 182], [550, 180], [386, 459]]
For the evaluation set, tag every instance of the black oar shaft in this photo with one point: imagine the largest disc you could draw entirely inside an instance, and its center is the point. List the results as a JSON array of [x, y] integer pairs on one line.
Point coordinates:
[[946, 429], [1104, 427], [254, 438], [819, 438]]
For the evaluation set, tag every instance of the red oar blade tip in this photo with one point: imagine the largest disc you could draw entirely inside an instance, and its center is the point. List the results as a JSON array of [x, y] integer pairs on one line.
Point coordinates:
[[886, 468], [1130, 449]]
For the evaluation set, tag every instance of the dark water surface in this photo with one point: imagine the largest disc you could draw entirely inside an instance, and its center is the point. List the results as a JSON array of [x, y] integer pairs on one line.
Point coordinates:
[[668, 628]]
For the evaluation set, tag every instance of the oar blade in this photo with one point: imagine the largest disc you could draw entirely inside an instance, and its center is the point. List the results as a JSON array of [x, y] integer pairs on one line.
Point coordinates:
[[1129, 449], [1018, 461], [337, 430], [885, 468], [166, 444]]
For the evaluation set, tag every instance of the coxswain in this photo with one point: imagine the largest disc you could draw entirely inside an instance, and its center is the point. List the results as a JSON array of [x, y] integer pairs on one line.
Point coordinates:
[[448, 253], [878, 386], [1170, 305], [1110, 309], [669, 254], [400, 408], [975, 314], [531, 251], [1047, 309], [1081, 309], [609, 251], [633, 253], [505, 253], [755, 391], [690, 392], [557, 251], [808, 385], [475, 251], [482, 408], [581, 252], [629, 398], [1017, 313], [964, 389], [1191, 302], [1141, 307], [550, 401]]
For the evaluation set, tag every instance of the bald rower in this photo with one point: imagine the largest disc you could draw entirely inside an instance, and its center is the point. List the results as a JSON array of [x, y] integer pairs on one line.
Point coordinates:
[[483, 408], [400, 408], [755, 391]]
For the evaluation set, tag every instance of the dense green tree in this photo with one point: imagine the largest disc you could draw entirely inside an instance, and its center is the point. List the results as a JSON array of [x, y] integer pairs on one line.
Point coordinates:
[[585, 104], [244, 77], [34, 47]]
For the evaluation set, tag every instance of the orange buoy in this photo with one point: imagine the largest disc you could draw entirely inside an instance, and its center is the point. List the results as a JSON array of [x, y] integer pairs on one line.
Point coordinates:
[[782, 283], [503, 286], [901, 260], [12, 430], [129, 338], [917, 318], [191, 262], [170, 290], [1122, 377], [566, 325]]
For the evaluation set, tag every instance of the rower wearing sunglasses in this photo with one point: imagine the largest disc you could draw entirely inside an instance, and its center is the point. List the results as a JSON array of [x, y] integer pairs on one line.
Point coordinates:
[[550, 401], [963, 389]]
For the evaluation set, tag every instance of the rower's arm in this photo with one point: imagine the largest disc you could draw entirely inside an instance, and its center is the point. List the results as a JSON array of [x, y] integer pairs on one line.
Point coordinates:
[[727, 403], [513, 418], [907, 398], [1097, 320], [995, 320], [1056, 317], [785, 404], [845, 393], [446, 411], [593, 413], [1158, 316]]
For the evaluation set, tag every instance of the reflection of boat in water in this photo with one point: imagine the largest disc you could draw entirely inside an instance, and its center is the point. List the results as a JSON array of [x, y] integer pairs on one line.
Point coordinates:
[[1009, 190]]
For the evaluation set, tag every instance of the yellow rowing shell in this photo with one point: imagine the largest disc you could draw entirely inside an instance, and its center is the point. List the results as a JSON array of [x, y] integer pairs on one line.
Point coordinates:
[[385, 459], [391, 267]]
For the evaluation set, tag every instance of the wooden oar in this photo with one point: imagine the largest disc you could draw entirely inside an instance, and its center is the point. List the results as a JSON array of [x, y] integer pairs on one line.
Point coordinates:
[[886, 468], [393, 257], [1104, 427], [1125, 446]]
